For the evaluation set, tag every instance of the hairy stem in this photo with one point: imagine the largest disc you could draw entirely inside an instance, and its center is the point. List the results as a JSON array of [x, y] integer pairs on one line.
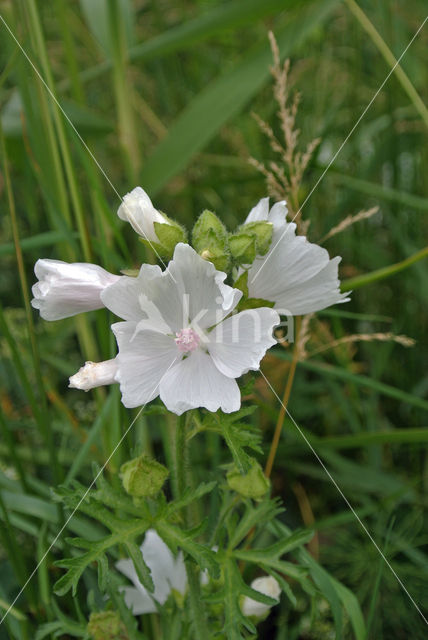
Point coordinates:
[[197, 609]]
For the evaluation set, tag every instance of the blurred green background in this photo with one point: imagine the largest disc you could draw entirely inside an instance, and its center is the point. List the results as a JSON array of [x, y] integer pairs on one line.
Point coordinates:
[[162, 94]]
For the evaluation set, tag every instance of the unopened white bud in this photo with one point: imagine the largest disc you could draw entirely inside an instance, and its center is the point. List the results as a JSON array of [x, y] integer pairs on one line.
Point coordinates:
[[269, 587], [94, 374]]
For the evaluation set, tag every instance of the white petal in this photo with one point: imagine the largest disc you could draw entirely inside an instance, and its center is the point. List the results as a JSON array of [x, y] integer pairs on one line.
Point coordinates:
[[138, 210], [143, 359], [240, 342], [165, 569], [123, 298], [167, 572], [295, 274], [278, 214], [196, 382], [66, 289], [94, 374], [206, 300], [259, 212], [138, 601], [319, 292]]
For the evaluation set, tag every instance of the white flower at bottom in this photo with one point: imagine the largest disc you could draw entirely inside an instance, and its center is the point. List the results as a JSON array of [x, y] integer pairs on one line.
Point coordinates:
[[269, 587], [297, 275], [168, 573], [177, 341], [65, 289], [138, 210]]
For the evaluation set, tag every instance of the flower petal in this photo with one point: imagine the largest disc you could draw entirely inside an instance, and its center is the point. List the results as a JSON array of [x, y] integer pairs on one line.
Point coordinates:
[[240, 342], [166, 571], [207, 298], [296, 275], [259, 212], [144, 358], [66, 289], [138, 601], [123, 297], [196, 382], [319, 292]]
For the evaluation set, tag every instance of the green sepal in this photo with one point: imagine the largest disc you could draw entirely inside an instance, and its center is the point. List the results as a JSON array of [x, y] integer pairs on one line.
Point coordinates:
[[254, 303], [243, 247], [209, 239], [169, 235], [252, 484], [106, 625], [262, 232], [242, 283]]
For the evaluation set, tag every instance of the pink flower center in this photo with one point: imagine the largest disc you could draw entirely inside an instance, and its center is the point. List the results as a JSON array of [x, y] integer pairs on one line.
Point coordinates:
[[187, 340]]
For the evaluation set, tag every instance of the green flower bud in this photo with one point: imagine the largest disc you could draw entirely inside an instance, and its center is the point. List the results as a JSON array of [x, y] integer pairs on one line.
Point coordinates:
[[107, 625], [243, 247], [262, 232], [143, 477], [209, 239], [252, 484]]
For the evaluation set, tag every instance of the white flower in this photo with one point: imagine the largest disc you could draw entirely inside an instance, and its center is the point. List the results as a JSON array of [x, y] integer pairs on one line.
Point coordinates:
[[177, 341], [269, 587], [138, 210], [168, 573], [295, 274], [66, 289]]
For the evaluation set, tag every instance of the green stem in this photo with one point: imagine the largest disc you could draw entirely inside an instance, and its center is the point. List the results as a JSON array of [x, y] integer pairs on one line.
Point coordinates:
[[385, 272], [197, 609]]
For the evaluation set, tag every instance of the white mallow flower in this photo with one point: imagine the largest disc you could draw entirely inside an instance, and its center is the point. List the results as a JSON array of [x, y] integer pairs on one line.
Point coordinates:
[[269, 587], [138, 210], [177, 340], [295, 274], [65, 289], [168, 573]]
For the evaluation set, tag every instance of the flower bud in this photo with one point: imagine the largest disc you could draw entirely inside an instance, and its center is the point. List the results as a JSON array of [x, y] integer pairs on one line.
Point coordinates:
[[94, 374], [107, 625], [209, 238], [65, 289], [252, 484], [242, 247], [251, 239], [143, 477], [155, 228], [269, 587], [262, 232]]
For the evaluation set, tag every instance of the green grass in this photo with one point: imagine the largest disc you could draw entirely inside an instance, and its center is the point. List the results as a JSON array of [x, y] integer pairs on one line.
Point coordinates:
[[162, 94]]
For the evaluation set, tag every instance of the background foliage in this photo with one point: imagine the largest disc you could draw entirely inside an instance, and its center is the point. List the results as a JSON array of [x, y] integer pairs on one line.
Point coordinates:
[[162, 94]]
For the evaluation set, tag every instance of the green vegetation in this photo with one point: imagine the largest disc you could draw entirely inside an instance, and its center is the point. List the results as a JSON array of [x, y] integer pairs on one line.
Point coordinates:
[[161, 95]]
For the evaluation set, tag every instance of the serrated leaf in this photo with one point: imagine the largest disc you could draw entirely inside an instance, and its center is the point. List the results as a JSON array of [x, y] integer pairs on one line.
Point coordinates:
[[253, 515], [102, 572], [177, 538], [143, 571], [189, 496]]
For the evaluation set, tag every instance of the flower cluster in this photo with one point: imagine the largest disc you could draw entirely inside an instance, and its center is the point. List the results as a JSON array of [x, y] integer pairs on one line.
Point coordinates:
[[181, 336]]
